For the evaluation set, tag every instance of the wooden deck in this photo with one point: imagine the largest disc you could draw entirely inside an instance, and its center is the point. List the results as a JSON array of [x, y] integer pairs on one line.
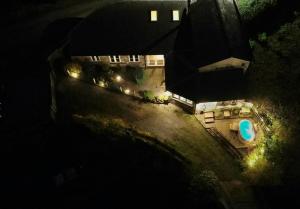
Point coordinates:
[[223, 132]]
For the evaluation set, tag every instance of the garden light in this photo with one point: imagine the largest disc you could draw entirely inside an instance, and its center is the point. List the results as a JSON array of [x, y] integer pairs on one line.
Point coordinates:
[[101, 83], [252, 161], [127, 91], [73, 74], [73, 69], [118, 78]]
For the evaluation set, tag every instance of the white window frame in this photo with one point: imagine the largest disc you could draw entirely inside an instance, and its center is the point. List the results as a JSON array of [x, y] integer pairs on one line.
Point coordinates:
[[175, 15], [151, 63], [115, 58], [153, 15], [176, 96], [134, 58], [95, 58], [162, 62], [156, 63], [182, 99], [189, 101]]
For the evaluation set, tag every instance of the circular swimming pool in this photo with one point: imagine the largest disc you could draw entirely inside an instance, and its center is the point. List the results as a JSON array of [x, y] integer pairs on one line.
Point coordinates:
[[246, 130]]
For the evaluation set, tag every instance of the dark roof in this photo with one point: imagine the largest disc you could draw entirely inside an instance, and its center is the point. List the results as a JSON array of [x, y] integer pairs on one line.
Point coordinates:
[[211, 32], [225, 84], [125, 28], [216, 32]]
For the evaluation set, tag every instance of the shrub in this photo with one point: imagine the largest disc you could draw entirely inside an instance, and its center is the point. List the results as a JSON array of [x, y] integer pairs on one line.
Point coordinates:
[[148, 96], [162, 99], [117, 69], [262, 37], [205, 180], [252, 43], [103, 72], [249, 9], [136, 74]]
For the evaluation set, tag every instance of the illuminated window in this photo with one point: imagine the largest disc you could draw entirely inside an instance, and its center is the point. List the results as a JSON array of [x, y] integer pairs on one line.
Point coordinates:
[[176, 96], [151, 62], [182, 99], [189, 101], [114, 58], [155, 60], [153, 14], [95, 58], [134, 58], [175, 15], [160, 62]]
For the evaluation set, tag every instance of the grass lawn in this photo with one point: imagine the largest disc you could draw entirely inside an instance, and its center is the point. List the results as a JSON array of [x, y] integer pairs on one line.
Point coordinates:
[[165, 127], [168, 123]]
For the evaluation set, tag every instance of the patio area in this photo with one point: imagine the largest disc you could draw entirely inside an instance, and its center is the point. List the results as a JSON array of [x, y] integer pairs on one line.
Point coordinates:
[[224, 123], [131, 80]]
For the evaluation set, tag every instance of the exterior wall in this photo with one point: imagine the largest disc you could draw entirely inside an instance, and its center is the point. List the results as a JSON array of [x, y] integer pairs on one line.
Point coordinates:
[[182, 99], [230, 62], [155, 60], [105, 59], [82, 58], [159, 60], [184, 103], [208, 106]]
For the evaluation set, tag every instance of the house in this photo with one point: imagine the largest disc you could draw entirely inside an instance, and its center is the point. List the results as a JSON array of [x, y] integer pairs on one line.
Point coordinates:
[[200, 44]]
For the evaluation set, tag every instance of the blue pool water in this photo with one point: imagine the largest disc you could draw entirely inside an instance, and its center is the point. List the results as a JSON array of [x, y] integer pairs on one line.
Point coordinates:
[[246, 130]]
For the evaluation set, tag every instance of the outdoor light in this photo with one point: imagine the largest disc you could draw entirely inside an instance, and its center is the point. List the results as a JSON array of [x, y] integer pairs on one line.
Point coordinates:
[[252, 160], [127, 91], [262, 150], [73, 74], [118, 78], [73, 69], [101, 83]]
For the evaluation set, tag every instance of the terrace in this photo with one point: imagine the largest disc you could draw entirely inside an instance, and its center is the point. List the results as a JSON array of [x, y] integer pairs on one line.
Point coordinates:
[[223, 120], [131, 79]]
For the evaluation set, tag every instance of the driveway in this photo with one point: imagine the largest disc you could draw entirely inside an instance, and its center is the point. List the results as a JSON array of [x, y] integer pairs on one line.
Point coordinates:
[[168, 123]]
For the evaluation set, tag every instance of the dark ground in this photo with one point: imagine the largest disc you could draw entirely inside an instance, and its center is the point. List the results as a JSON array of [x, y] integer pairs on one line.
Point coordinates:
[[94, 171]]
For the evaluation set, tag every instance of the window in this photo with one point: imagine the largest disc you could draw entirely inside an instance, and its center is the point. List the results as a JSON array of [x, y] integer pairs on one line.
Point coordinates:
[[189, 101], [175, 15], [95, 58], [155, 60], [151, 62], [182, 98], [134, 58], [176, 96], [114, 58], [160, 62], [153, 15]]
